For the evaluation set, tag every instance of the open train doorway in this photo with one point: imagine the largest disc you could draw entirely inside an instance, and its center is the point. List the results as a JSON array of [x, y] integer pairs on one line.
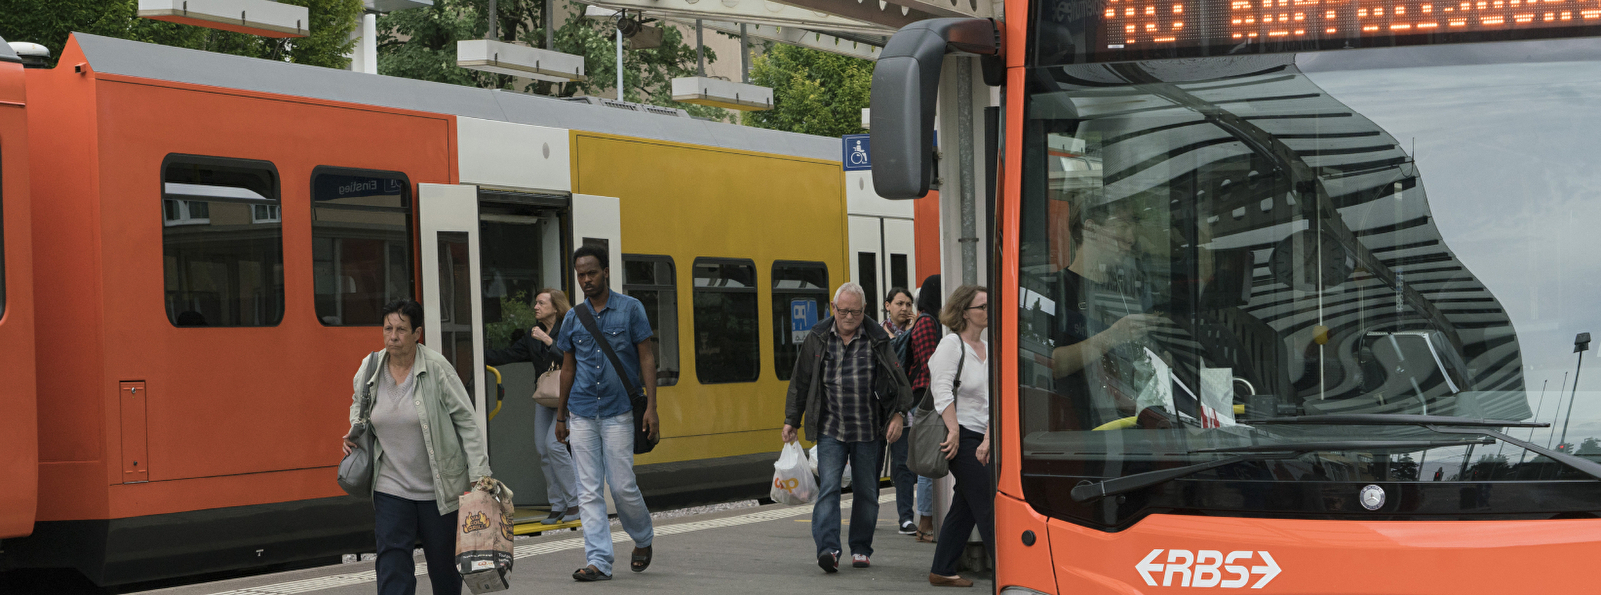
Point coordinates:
[[522, 244]]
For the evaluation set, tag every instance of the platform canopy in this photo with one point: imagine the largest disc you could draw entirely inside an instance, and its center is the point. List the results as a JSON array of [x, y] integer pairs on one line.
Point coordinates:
[[251, 17]]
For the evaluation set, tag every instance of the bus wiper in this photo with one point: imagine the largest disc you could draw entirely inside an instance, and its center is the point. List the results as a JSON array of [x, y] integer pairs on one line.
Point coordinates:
[[1385, 419], [1086, 491], [1446, 425], [1304, 447]]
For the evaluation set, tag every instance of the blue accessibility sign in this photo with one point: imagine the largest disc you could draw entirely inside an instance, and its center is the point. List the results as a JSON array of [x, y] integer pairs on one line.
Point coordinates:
[[857, 152], [802, 317]]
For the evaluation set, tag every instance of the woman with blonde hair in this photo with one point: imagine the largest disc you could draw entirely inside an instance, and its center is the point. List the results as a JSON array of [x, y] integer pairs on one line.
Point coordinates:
[[539, 348], [960, 383]]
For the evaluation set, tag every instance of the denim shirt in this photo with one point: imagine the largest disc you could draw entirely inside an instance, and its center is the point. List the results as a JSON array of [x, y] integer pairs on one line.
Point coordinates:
[[596, 391]]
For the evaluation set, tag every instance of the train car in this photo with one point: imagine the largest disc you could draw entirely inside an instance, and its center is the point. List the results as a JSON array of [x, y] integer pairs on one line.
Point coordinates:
[[19, 439], [1265, 315], [218, 233]]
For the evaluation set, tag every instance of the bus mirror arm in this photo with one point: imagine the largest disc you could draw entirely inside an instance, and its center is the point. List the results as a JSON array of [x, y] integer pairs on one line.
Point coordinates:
[[905, 86]]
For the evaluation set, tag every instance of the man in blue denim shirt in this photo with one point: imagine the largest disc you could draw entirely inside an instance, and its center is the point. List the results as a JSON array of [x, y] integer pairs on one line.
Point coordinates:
[[596, 415]]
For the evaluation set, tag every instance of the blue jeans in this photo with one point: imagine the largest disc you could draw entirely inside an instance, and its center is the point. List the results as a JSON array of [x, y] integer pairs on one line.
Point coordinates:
[[399, 524], [603, 450], [925, 497], [864, 458], [561, 487], [905, 481]]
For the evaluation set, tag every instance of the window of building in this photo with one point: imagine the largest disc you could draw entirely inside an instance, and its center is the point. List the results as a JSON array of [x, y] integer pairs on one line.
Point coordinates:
[[653, 281], [223, 267], [360, 243], [800, 299], [727, 343]]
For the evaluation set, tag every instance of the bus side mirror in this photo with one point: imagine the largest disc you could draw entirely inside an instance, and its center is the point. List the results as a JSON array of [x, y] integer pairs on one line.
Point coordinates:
[[905, 86]]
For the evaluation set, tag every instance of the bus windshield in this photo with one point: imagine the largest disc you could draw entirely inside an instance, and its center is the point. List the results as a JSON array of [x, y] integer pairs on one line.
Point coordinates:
[[1211, 243]]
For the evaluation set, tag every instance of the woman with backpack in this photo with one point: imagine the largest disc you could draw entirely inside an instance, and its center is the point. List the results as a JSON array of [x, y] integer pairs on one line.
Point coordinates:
[[915, 347]]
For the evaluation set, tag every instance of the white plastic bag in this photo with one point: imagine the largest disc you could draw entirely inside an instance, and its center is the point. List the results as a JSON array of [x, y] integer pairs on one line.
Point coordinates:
[[811, 461], [792, 479]]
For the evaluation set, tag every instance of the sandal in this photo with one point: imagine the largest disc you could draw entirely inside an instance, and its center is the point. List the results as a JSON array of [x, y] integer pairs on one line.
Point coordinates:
[[923, 537], [639, 562], [589, 574]]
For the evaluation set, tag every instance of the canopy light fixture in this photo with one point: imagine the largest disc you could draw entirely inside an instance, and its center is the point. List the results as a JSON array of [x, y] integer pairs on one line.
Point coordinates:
[[251, 17], [516, 59], [703, 90]]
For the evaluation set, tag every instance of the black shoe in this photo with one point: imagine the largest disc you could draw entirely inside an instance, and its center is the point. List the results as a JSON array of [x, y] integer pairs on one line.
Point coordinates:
[[828, 561], [908, 528]]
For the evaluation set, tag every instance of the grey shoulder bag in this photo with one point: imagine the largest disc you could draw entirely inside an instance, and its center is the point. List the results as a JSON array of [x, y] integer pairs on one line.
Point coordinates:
[[923, 455], [355, 471]]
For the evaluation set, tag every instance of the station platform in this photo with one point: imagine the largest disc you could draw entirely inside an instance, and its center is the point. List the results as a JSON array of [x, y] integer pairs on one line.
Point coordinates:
[[763, 549]]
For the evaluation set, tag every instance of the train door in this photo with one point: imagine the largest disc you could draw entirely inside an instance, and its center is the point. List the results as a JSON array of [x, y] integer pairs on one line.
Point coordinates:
[[447, 224], [523, 251], [882, 257]]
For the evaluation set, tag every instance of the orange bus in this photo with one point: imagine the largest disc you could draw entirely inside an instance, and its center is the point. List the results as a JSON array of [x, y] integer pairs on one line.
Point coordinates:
[[1290, 295]]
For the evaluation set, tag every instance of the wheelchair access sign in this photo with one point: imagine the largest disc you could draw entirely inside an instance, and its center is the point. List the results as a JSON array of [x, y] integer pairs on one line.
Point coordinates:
[[802, 317], [857, 152]]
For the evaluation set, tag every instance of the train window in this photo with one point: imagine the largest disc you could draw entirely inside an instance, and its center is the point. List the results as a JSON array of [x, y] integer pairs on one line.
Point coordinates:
[[867, 266], [727, 344], [223, 264], [360, 243], [800, 299], [653, 281], [2, 248], [897, 270]]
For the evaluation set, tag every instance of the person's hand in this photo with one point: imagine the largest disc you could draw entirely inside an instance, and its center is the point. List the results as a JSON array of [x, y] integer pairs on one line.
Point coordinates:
[[893, 432], [653, 426], [983, 452], [539, 333], [951, 444], [561, 430], [349, 444], [788, 433], [1131, 328]]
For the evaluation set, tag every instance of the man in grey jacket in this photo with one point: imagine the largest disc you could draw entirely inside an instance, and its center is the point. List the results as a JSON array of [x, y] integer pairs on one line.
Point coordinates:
[[853, 397]]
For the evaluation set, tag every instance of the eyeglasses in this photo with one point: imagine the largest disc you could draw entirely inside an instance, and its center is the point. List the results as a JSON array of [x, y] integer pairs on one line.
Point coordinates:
[[851, 313]]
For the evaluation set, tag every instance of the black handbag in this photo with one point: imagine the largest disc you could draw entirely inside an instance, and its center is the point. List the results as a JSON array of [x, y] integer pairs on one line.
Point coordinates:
[[355, 471], [636, 395]]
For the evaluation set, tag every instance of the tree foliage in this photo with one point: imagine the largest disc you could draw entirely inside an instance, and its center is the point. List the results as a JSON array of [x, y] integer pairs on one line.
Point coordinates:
[[421, 44], [49, 22], [814, 92]]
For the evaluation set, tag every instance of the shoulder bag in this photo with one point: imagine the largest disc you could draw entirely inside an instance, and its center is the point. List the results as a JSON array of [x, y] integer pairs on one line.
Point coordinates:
[[636, 395], [355, 471], [547, 391], [924, 456]]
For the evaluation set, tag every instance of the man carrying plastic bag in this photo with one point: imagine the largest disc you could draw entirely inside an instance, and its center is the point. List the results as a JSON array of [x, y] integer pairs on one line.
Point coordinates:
[[484, 535], [792, 477]]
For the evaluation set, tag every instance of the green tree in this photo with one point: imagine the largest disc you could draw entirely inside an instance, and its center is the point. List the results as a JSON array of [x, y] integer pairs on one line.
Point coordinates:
[[814, 92], [49, 22], [421, 44]]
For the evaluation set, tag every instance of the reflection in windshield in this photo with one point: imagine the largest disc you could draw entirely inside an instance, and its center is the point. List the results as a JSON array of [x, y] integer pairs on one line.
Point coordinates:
[[1207, 243]]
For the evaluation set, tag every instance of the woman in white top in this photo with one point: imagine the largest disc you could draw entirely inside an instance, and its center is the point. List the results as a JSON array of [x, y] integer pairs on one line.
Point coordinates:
[[959, 373]]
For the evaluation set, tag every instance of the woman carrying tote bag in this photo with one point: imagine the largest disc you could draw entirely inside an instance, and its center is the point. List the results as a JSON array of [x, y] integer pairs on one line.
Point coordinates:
[[426, 451], [964, 403], [539, 348]]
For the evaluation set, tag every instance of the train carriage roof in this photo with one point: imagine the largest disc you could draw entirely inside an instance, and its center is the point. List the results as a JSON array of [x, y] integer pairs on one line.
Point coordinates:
[[159, 62]]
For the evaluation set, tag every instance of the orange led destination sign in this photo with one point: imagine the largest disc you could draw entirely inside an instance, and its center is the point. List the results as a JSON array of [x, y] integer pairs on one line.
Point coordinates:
[[1154, 25]]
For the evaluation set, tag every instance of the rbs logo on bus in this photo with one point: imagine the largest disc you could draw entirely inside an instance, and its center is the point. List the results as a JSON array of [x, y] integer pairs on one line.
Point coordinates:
[[1207, 568]]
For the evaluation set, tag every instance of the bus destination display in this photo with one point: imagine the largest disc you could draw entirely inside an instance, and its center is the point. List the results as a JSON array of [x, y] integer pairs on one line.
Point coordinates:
[[1135, 25]]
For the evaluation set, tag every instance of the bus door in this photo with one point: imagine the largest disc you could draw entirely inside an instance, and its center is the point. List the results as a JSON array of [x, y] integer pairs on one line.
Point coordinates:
[[522, 251], [449, 245], [19, 424]]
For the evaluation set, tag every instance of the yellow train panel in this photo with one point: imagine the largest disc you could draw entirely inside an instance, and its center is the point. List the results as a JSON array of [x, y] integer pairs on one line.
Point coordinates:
[[688, 202]]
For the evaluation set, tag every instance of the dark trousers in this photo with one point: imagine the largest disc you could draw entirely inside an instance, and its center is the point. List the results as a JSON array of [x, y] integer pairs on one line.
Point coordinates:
[[400, 523], [905, 481], [974, 503]]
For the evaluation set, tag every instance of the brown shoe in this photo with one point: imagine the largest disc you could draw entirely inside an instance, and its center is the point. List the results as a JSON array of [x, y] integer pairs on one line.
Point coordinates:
[[948, 581]]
